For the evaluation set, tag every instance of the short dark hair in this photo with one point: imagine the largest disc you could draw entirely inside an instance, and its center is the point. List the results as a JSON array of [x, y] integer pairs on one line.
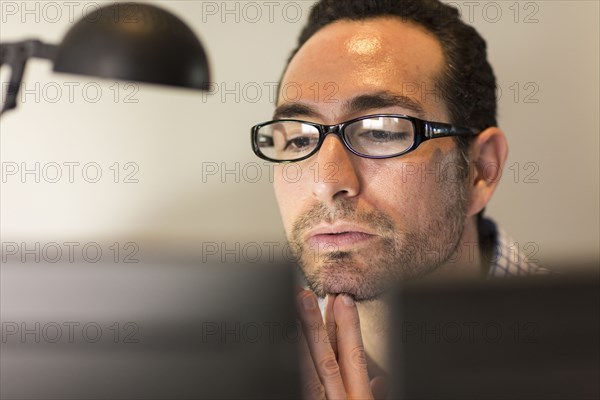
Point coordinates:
[[467, 85]]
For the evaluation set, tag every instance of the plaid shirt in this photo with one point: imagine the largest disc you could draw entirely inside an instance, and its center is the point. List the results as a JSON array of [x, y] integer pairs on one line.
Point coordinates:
[[506, 259]]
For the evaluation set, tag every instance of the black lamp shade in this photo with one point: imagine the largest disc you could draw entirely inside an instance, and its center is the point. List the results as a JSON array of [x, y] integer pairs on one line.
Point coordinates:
[[134, 42]]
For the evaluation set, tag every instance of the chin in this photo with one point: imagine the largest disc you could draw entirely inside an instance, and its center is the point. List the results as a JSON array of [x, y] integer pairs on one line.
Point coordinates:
[[345, 279]]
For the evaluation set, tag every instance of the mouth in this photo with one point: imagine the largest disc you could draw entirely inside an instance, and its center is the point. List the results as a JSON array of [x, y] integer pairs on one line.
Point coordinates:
[[333, 238]]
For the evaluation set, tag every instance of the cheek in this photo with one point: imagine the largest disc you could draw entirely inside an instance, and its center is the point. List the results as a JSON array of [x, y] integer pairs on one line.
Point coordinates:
[[403, 190], [290, 191]]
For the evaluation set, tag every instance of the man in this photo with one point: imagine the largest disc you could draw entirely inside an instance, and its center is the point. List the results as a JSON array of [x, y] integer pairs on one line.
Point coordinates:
[[395, 192]]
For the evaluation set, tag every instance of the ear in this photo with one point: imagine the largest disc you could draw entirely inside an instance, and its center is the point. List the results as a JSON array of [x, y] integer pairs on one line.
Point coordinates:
[[488, 156]]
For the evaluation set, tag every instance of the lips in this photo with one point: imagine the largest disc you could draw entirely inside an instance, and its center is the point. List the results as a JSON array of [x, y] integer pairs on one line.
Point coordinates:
[[334, 237]]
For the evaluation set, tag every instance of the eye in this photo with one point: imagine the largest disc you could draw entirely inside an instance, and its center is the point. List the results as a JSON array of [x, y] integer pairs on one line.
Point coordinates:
[[383, 136], [300, 143]]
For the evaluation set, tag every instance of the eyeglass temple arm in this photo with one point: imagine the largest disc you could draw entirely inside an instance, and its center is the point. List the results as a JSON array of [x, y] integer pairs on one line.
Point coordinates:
[[438, 129]]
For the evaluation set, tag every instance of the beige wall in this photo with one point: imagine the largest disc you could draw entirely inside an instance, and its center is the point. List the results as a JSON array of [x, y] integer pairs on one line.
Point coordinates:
[[548, 199]]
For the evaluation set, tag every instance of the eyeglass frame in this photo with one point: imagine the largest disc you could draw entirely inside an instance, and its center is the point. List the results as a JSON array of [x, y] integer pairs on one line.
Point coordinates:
[[424, 130]]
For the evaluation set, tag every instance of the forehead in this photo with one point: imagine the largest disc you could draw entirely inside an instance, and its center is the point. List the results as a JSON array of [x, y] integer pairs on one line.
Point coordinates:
[[350, 58]]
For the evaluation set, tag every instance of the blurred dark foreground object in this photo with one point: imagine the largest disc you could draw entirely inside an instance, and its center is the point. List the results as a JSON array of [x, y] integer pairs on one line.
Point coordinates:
[[514, 338], [148, 331], [194, 331], [126, 41]]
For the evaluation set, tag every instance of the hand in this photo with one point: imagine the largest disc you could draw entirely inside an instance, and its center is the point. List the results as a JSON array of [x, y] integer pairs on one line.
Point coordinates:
[[334, 362]]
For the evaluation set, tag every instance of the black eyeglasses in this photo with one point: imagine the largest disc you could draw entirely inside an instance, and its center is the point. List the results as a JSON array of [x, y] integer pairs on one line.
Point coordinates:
[[370, 136]]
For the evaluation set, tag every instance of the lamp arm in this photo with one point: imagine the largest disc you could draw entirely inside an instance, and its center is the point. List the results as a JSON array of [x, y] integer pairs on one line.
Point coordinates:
[[16, 55]]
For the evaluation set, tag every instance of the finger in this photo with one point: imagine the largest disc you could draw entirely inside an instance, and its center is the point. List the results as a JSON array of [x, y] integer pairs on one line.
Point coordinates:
[[351, 352], [380, 388], [312, 389], [320, 350], [298, 288], [330, 325]]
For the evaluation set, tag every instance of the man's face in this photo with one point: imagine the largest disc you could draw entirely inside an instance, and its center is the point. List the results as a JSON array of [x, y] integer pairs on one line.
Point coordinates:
[[361, 224]]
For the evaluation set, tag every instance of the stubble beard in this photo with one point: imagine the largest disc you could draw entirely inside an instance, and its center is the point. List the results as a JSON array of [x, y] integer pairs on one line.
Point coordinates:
[[393, 256]]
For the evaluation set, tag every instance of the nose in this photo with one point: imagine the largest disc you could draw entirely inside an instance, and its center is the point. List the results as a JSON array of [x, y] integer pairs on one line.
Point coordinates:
[[335, 175]]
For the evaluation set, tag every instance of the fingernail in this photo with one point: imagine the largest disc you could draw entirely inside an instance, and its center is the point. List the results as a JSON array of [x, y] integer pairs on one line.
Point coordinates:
[[347, 300], [308, 302]]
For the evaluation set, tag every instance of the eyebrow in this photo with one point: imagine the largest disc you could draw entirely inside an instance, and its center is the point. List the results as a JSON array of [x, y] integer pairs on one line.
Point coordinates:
[[290, 110], [364, 102], [383, 99]]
